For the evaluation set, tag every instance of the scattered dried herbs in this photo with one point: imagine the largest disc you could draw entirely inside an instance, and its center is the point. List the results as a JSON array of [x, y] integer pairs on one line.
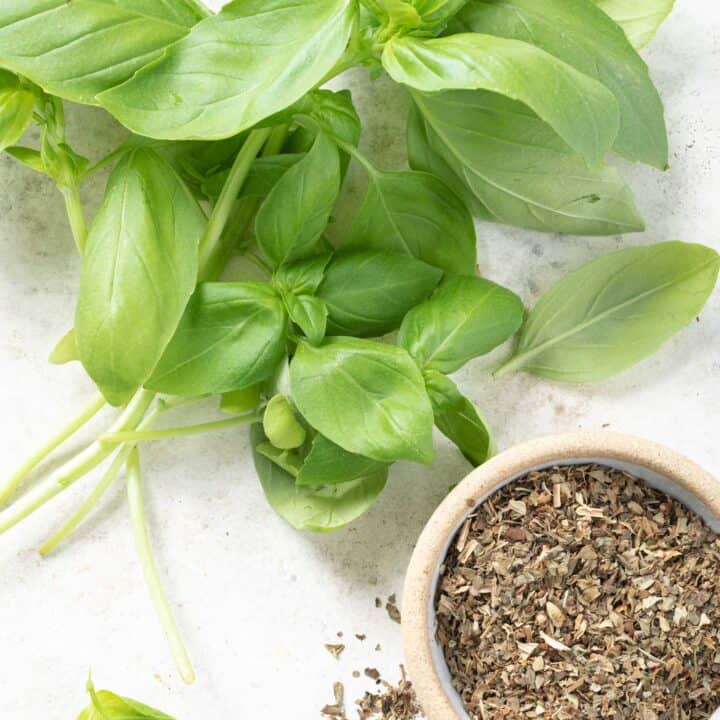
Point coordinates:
[[395, 702], [335, 649], [392, 609], [582, 592]]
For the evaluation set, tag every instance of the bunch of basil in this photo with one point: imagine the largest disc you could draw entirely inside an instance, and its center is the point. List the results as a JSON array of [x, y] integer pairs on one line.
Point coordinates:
[[236, 151]]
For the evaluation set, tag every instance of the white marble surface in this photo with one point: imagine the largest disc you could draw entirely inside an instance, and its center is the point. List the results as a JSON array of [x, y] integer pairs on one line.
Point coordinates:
[[256, 599]]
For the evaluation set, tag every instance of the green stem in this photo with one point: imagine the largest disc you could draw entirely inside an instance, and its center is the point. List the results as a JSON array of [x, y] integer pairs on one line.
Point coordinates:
[[76, 216], [102, 162], [76, 468], [149, 568], [19, 476], [145, 435], [101, 488], [210, 245], [512, 365], [354, 153]]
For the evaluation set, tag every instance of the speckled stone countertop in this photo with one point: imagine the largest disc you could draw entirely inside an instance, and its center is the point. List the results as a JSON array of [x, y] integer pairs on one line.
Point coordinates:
[[257, 600]]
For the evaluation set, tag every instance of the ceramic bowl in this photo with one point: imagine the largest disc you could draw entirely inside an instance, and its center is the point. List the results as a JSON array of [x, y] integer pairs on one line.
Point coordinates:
[[660, 467]]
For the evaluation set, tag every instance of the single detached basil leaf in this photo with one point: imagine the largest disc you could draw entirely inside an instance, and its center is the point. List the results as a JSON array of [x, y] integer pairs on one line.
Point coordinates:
[[365, 396], [328, 464], [78, 49], [232, 335], [296, 212], [320, 509], [615, 311], [139, 269], [416, 214], [309, 313], [640, 19], [16, 108], [465, 318], [66, 349], [304, 276], [522, 171], [424, 157], [280, 425], [580, 109], [458, 419], [252, 59], [105, 705], [582, 35], [262, 178], [367, 294]]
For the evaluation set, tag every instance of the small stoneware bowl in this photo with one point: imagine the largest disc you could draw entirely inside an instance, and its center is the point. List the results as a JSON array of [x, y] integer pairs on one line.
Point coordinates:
[[660, 467]]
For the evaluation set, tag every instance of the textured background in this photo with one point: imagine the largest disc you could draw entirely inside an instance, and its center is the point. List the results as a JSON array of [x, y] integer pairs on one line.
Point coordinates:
[[257, 600]]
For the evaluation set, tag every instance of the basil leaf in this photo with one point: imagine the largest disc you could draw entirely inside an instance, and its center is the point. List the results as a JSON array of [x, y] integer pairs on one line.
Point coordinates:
[[16, 108], [66, 349], [28, 157], [424, 157], [328, 464], [580, 109], [78, 49], [139, 269], [365, 396], [316, 509], [287, 460], [416, 214], [367, 294], [582, 35], [614, 311], [309, 313], [304, 276], [280, 425], [435, 14], [465, 318], [240, 402], [297, 210], [458, 419], [640, 19], [105, 705], [521, 171], [264, 174], [252, 59], [232, 335]]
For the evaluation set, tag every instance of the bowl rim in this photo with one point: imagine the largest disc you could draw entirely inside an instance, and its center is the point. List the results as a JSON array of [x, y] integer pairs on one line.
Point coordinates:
[[432, 544]]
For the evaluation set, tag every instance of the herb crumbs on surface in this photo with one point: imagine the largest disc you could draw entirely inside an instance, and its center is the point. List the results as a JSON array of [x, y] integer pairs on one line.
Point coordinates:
[[395, 702], [580, 591], [392, 609], [335, 649]]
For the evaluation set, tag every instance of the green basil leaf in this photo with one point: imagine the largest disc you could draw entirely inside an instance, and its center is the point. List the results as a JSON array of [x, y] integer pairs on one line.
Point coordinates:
[[581, 35], [367, 294], [240, 402], [640, 19], [424, 157], [78, 49], [66, 349], [139, 269], [458, 419], [297, 210], [328, 464], [28, 157], [365, 396], [416, 214], [280, 425], [264, 175], [105, 705], [521, 171], [16, 108], [580, 109], [398, 15], [304, 276], [232, 335], [309, 313], [287, 460], [316, 509], [252, 59], [615, 311], [435, 14], [465, 318]]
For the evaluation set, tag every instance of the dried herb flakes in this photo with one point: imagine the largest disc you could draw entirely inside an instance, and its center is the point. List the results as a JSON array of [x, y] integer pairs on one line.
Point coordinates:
[[582, 592]]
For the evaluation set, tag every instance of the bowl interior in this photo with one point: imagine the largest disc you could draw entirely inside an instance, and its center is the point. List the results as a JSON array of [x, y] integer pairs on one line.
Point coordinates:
[[659, 482]]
